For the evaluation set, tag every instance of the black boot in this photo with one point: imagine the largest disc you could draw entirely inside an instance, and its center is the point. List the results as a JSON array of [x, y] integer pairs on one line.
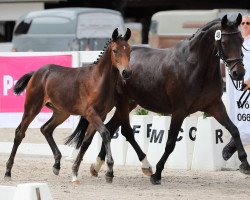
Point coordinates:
[[229, 150]]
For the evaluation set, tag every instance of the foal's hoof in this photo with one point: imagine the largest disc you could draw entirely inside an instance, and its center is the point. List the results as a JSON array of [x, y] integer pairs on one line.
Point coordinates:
[[245, 169], [93, 172], [109, 177], [56, 171], [76, 182], [154, 180], [147, 171]]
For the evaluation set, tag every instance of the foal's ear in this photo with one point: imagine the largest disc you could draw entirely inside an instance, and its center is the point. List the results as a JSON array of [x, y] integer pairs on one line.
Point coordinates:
[[115, 34], [127, 34], [239, 19], [224, 21]]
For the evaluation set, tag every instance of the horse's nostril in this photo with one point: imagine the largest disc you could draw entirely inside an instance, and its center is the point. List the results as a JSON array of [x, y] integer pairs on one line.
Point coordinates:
[[234, 73], [126, 74]]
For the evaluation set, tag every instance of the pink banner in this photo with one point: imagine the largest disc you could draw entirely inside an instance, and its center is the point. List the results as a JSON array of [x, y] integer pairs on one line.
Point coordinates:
[[12, 68]]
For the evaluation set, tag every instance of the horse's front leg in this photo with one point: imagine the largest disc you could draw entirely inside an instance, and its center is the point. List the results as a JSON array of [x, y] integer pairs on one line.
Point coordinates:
[[128, 133], [97, 123], [175, 126], [218, 111], [121, 118], [47, 130], [112, 126]]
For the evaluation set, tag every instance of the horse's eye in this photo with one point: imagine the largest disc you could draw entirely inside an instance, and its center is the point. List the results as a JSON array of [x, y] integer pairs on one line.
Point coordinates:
[[115, 51]]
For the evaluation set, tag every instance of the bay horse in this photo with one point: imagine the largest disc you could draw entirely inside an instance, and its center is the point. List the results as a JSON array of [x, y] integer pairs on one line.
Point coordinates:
[[85, 91], [180, 80]]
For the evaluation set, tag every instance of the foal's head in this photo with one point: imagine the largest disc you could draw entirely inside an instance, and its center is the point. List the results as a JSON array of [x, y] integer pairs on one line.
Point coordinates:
[[229, 41], [120, 53]]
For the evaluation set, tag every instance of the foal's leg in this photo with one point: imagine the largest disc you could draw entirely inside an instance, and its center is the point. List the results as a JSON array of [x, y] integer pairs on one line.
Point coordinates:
[[121, 117], [175, 126], [218, 111], [85, 144], [113, 124], [32, 108], [98, 125], [47, 130]]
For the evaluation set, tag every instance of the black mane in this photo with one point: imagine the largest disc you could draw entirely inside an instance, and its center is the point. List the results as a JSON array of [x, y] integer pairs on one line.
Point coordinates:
[[205, 28], [105, 48]]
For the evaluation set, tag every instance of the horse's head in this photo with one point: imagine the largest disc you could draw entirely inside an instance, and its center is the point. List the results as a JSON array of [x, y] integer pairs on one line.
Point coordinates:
[[120, 53], [229, 41]]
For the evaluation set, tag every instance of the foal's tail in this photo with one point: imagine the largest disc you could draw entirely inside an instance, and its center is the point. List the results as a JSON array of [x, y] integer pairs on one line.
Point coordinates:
[[22, 83], [78, 135]]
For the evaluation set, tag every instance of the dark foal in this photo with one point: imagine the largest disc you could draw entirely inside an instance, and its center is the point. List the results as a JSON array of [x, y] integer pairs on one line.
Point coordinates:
[[87, 91], [181, 80]]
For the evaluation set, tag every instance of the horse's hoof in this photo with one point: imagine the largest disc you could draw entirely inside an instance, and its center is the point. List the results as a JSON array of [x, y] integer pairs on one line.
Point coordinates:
[[245, 169], [147, 171], [154, 180], [7, 178], [93, 172], [109, 177], [56, 171], [76, 182]]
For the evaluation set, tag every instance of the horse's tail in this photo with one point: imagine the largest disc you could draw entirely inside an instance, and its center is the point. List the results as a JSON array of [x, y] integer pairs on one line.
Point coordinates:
[[78, 135], [22, 83]]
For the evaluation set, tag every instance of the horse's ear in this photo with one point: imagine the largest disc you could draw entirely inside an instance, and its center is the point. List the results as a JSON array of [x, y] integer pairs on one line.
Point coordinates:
[[115, 34], [127, 34], [224, 21], [239, 19]]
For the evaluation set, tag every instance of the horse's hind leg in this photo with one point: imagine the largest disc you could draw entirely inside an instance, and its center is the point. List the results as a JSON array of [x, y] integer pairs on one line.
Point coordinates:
[[29, 114], [218, 111], [47, 130], [85, 144]]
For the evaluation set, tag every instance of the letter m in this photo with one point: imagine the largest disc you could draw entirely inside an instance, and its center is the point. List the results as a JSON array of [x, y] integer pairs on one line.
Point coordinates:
[[156, 137]]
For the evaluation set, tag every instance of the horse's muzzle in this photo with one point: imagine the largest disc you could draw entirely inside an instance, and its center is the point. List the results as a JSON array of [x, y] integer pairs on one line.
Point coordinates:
[[238, 72], [126, 74]]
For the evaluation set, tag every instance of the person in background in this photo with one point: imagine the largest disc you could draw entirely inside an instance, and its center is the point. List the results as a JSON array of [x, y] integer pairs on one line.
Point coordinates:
[[245, 31], [230, 148]]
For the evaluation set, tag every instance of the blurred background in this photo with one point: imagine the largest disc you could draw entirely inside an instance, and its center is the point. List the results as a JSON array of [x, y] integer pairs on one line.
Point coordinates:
[[157, 23]]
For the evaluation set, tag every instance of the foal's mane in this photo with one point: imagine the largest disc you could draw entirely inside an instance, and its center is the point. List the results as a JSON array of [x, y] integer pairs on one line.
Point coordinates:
[[105, 48]]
